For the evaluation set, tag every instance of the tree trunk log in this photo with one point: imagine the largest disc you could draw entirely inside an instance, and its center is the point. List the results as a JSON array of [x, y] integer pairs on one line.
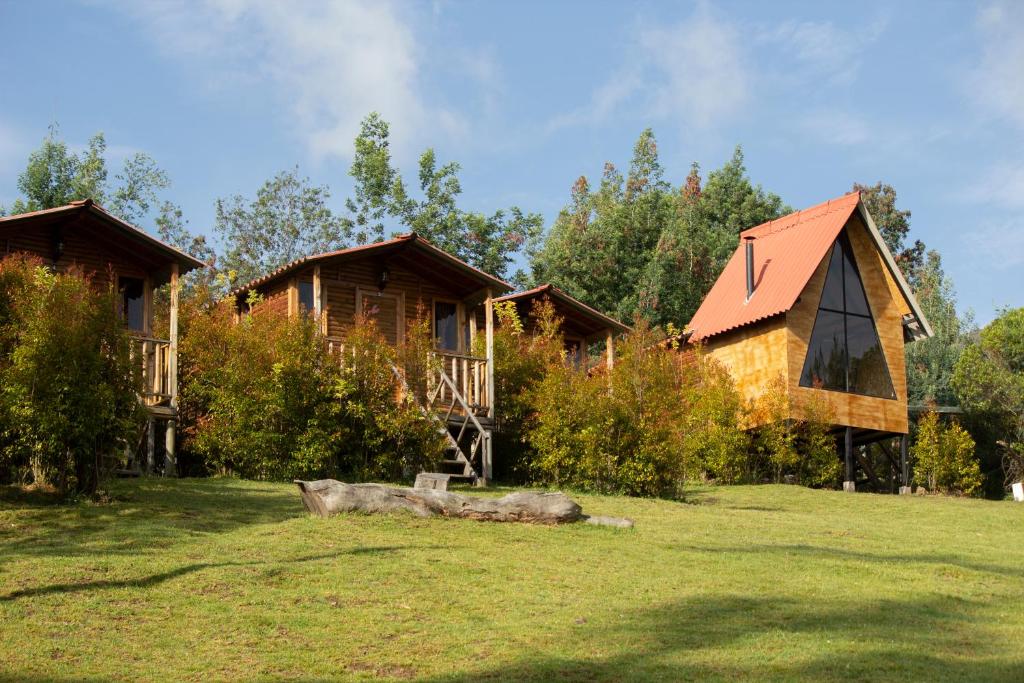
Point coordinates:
[[328, 497]]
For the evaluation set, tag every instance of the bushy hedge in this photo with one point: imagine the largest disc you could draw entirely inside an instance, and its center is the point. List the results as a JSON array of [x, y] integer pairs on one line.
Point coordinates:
[[943, 457], [268, 398], [68, 386]]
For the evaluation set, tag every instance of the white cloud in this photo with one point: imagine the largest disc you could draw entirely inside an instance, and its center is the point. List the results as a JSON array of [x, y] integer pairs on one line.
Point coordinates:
[[996, 81], [822, 50], [837, 126], [693, 72], [1003, 185], [331, 62], [998, 245]]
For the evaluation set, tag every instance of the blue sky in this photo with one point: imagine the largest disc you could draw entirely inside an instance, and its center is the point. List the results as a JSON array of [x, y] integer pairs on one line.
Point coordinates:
[[527, 96]]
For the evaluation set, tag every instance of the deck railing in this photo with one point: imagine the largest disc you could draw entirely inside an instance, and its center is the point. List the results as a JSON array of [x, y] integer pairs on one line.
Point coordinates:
[[467, 374], [154, 357]]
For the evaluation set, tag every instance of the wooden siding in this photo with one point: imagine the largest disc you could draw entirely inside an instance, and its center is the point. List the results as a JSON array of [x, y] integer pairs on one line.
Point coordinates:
[[865, 412], [754, 355]]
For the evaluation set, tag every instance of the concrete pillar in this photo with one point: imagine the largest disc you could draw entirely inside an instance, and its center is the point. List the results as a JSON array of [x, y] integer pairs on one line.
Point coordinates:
[[849, 484]]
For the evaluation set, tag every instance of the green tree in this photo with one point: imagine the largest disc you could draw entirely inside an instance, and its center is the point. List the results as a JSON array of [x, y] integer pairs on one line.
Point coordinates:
[[289, 218], [930, 362], [489, 242], [894, 225], [55, 176], [943, 457], [989, 381]]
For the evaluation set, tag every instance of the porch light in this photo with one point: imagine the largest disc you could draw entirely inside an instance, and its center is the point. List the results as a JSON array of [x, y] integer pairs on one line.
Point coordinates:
[[382, 279]]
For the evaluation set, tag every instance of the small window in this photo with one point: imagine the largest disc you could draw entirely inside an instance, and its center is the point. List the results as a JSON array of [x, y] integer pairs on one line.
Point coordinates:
[[306, 297], [446, 325], [133, 304]]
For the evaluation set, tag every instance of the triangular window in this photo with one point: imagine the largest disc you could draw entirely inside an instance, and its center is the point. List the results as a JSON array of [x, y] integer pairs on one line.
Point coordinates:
[[844, 353]]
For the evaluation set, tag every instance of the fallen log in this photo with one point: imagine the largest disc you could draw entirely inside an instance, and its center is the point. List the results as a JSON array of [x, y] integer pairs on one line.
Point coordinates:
[[328, 497]]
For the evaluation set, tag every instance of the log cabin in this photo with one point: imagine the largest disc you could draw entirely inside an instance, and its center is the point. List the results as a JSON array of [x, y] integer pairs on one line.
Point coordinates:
[[581, 326], [116, 253], [395, 283], [817, 298]]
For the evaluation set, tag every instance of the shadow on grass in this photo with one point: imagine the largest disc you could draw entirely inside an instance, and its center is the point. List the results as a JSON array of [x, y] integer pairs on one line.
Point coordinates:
[[145, 513], [750, 638], [155, 579]]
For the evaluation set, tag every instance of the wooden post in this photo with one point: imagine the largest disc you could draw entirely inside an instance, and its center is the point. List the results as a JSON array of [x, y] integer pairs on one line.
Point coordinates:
[[318, 304], [293, 297], [904, 467], [849, 485], [610, 348], [150, 446], [170, 461], [489, 341]]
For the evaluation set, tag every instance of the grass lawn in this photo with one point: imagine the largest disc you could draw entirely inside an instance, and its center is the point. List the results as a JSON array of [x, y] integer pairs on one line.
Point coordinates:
[[219, 578]]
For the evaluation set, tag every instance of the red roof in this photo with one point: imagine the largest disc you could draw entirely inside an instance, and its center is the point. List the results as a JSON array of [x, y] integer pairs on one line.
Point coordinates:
[[787, 251]]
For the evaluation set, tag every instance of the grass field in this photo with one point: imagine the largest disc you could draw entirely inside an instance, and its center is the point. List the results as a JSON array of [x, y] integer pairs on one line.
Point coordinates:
[[216, 579]]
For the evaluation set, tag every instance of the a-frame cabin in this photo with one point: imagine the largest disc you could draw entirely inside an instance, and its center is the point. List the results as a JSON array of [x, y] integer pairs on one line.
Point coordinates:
[[816, 298]]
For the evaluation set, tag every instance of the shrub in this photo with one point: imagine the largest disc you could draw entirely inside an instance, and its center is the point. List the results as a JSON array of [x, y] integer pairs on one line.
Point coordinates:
[[944, 457], [68, 386], [638, 428], [267, 398]]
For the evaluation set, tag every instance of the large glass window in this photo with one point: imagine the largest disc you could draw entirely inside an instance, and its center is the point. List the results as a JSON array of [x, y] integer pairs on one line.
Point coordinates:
[[446, 325], [845, 353], [133, 303]]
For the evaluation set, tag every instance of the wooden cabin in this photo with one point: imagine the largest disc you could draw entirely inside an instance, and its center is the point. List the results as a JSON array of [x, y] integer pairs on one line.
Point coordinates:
[[816, 298], [582, 326], [117, 253], [395, 282]]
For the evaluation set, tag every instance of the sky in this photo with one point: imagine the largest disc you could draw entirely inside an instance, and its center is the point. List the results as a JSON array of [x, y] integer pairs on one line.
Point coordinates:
[[527, 96]]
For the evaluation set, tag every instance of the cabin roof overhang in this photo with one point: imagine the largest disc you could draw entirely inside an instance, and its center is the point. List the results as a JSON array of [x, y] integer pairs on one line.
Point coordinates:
[[113, 234], [578, 318], [409, 250], [787, 252]]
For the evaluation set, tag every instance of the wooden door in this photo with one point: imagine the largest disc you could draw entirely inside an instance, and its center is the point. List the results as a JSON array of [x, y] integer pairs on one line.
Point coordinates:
[[386, 310]]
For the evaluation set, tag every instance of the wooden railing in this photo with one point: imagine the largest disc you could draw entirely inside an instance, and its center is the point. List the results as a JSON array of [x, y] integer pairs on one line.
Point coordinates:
[[154, 356], [466, 376]]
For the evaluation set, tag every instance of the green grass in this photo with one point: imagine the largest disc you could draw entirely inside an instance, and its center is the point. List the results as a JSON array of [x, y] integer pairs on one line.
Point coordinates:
[[218, 579]]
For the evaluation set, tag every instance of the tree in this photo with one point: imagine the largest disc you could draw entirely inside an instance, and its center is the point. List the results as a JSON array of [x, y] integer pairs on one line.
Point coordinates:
[[641, 248], [930, 362], [55, 176], [489, 242], [944, 457], [989, 381], [894, 225], [289, 218]]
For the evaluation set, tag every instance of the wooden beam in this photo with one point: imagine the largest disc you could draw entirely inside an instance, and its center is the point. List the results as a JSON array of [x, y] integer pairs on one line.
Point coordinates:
[[318, 300], [293, 297], [610, 348], [170, 460], [489, 340], [849, 483]]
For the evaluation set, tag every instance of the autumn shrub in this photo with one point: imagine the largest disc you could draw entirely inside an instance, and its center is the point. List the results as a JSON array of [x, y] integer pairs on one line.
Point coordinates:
[[638, 428], [68, 386], [784, 448], [269, 398], [943, 457], [521, 360]]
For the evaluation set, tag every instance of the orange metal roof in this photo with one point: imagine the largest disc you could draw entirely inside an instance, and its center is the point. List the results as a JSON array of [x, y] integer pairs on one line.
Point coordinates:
[[786, 253]]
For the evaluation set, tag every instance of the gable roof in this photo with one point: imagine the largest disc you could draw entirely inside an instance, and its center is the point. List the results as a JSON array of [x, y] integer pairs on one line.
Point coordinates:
[[124, 229], [588, 320], [402, 245], [787, 251]]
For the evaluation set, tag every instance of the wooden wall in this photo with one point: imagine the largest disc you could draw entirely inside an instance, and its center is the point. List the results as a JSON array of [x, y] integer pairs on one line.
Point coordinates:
[[754, 355], [854, 410]]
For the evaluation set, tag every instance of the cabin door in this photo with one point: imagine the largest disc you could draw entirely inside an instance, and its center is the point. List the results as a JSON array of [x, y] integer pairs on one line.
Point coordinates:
[[386, 309]]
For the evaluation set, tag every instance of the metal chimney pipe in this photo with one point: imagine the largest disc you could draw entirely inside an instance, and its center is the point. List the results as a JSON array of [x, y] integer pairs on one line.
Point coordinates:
[[749, 242]]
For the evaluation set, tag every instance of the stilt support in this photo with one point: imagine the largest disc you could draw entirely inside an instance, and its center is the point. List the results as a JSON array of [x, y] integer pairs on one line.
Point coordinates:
[[849, 484], [905, 489], [170, 461]]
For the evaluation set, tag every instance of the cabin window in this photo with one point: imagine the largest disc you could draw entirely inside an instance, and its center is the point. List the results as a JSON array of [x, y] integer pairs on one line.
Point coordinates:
[[845, 353], [446, 325], [133, 302], [306, 297]]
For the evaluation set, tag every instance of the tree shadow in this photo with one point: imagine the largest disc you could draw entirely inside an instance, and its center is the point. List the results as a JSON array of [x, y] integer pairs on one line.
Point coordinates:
[[155, 579], [144, 514], [751, 638]]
